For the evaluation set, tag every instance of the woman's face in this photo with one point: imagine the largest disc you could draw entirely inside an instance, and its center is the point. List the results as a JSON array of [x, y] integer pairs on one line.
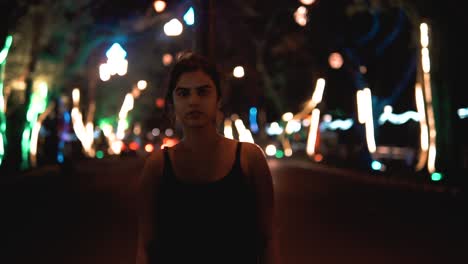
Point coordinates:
[[195, 99]]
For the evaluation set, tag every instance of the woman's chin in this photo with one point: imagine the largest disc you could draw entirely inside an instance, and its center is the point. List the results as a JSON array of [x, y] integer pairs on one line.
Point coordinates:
[[195, 123]]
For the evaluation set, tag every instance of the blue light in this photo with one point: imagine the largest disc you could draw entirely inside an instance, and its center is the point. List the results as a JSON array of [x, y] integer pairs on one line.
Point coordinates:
[[462, 113], [60, 157], [254, 128], [274, 129], [116, 52], [67, 117], [398, 119], [189, 16], [253, 110], [253, 120], [337, 124], [376, 165]]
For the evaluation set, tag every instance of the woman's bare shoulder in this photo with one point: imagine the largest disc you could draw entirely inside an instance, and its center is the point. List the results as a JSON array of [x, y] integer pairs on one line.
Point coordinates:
[[153, 167], [252, 156], [252, 150]]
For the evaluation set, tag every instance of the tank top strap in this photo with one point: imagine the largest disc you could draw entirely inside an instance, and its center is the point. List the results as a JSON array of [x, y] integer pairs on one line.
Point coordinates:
[[167, 170], [238, 155], [238, 168]]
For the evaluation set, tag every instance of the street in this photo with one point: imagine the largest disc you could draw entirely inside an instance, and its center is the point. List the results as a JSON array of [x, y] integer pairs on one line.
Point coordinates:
[[324, 216]]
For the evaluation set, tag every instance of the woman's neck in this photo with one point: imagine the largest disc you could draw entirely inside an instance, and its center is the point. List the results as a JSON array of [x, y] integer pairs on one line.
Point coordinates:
[[203, 138]]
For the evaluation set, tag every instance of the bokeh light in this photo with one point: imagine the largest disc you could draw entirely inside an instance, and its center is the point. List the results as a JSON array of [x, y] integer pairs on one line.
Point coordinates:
[[142, 84], [149, 147], [335, 60], [159, 102], [270, 150], [307, 2], [238, 72], [173, 28], [300, 16], [159, 6], [167, 59]]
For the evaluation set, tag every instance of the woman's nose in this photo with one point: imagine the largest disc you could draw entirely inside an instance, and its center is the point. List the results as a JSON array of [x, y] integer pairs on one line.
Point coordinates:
[[194, 98]]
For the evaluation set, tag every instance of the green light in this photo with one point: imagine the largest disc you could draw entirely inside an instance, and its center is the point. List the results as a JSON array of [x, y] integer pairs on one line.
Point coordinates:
[[4, 51], [25, 143], [99, 154], [26, 134], [2, 150], [126, 124], [103, 122], [279, 154], [3, 57], [37, 105], [436, 176]]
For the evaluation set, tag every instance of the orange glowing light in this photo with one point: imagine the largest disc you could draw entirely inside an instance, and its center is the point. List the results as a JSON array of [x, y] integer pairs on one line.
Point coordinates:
[[149, 148], [160, 103], [318, 157], [169, 142], [335, 60], [307, 2], [134, 146], [159, 6], [167, 59], [136, 93]]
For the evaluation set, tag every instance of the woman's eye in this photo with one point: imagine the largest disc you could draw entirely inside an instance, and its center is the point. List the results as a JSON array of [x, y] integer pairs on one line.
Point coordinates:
[[182, 93], [202, 92]]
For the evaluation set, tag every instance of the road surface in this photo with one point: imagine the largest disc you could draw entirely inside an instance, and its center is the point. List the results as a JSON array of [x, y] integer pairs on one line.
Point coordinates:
[[325, 215]]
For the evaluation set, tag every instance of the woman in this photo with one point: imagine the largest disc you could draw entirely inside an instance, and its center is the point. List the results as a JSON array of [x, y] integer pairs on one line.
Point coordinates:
[[208, 199]]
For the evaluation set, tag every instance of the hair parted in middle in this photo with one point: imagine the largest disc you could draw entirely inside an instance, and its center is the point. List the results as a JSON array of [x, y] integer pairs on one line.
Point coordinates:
[[190, 62]]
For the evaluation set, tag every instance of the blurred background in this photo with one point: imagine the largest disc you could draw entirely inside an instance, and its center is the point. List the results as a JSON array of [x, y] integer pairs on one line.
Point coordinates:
[[359, 105], [370, 85]]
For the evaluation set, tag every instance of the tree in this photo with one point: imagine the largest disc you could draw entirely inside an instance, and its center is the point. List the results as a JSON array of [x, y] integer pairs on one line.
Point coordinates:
[[65, 45], [264, 38]]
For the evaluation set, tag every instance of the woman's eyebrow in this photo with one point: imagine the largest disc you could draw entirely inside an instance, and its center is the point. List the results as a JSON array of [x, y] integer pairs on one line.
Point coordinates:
[[198, 87]]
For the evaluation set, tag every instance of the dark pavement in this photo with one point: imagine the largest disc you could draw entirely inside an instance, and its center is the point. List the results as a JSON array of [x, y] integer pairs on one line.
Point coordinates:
[[326, 215]]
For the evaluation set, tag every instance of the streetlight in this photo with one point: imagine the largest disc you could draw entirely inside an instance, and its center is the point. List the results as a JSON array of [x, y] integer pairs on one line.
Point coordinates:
[[142, 84], [167, 59], [159, 6], [335, 60], [300, 16], [238, 72], [116, 63], [173, 27]]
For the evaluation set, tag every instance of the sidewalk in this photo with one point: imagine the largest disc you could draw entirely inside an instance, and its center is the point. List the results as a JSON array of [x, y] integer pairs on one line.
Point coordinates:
[[399, 179]]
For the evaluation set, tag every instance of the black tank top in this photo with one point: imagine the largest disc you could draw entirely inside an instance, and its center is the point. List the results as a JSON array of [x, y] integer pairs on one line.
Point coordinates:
[[213, 222]]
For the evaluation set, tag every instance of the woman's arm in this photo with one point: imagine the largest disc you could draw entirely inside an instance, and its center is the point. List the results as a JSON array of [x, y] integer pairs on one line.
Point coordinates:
[[146, 203], [259, 171]]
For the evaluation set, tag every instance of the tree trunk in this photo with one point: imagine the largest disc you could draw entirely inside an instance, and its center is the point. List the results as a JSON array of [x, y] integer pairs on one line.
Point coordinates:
[[16, 121]]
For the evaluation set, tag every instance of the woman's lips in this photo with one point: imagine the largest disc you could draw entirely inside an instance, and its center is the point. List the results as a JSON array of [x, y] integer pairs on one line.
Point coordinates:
[[194, 114]]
